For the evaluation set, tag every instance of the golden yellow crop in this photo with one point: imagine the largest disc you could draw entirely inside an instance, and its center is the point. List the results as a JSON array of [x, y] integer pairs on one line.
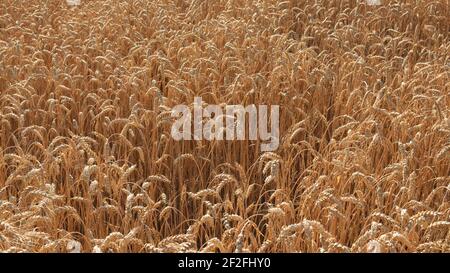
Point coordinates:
[[87, 162]]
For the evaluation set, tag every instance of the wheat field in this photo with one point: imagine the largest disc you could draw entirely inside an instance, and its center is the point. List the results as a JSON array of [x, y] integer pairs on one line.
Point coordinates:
[[87, 162]]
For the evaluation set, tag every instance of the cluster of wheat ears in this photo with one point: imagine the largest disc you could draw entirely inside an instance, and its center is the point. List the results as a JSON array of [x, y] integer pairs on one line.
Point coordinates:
[[87, 162]]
